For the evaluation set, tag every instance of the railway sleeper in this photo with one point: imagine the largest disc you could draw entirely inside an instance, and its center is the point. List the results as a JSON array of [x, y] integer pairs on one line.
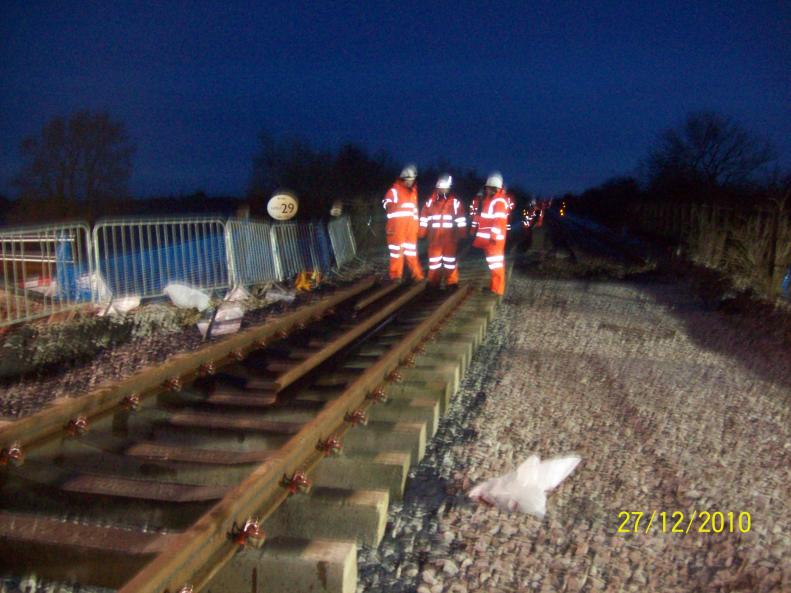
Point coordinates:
[[409, 410], [447, 350], [433, 389], [375, 458], [332, 513], [291, 565], [386, 470], [382, 435]]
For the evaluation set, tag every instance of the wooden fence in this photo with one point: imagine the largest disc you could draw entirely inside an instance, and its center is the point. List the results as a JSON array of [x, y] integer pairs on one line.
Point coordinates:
[[753, 247]]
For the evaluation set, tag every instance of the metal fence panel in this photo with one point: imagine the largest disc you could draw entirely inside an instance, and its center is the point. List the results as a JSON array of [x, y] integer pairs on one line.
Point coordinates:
[[252, 257], [142, 256], [300, 247], [342, 238], [44, 270], [290, 252], [323, 246]]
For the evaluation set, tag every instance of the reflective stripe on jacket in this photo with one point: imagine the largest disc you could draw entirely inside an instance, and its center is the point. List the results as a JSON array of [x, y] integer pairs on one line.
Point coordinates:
[[400, 203], [440, 216], [493, 218]]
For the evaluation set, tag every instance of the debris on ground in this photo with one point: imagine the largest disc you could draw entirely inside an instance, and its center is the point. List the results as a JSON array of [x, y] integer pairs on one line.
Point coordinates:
[[276, 294], [186, 297], [226, 320], [525, 488], [307, 281], [674, 409], [239, 294], [120, 306]]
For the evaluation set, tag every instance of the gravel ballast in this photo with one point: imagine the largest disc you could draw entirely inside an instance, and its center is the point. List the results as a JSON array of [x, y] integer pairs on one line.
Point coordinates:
[[670, 409], [72, 358]]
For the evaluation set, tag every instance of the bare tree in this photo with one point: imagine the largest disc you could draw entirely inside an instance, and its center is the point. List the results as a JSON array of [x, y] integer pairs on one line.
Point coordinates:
[[318, 177], [707, 149], [85, 157]]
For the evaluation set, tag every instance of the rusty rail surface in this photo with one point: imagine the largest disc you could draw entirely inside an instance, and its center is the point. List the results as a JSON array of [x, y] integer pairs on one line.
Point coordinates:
[[194, 556], [50, 422]]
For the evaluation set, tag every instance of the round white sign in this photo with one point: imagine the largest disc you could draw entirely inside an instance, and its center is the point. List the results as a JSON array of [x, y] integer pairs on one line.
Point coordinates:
[[282, 206], [337, 208]]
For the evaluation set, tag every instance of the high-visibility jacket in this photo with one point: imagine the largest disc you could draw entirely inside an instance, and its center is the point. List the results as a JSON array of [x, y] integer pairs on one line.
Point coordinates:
[[400, 203], [492, 221], [442, 218]]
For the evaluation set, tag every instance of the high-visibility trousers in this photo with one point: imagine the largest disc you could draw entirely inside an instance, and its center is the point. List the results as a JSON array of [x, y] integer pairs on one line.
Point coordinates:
[[402, 244], [495, 259], [442, 261]]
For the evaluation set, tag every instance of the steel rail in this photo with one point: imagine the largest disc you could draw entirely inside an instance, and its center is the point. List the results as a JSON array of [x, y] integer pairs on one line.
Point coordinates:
[[286, 378], [364, 302], [196, 554], [49, 423]]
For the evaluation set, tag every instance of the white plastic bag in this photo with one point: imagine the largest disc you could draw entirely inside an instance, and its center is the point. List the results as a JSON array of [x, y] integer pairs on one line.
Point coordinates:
[[121, 306], [237, 295], [126, 304], [186, 297], [525, 488], [276, 294], [228, 320], [96, 285]]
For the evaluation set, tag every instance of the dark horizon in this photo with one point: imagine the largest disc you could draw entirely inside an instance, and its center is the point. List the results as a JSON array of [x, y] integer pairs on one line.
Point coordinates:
[[558, 99]]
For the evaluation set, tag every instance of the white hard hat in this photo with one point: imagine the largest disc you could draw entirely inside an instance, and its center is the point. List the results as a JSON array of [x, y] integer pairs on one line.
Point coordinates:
[[444, 182], [495, 180], [409, 172]]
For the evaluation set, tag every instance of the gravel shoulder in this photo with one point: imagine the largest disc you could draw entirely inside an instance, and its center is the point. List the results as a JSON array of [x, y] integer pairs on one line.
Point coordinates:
[[671, 409], [71, 358]]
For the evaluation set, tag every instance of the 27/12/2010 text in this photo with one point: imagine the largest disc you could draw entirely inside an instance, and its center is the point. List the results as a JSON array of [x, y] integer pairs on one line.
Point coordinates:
[[680, 522]]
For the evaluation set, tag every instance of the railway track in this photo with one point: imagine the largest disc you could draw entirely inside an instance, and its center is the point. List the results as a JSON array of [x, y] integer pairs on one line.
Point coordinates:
[[249, 465], [587, 241]]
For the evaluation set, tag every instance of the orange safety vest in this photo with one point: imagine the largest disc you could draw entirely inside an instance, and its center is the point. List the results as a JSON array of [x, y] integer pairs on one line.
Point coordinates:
[[442, 218], [400, 203], [492, 221]]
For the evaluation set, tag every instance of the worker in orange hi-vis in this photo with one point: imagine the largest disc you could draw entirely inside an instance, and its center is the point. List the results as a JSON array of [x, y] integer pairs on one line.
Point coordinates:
[[400, 203], [491, 232], [442, 220]]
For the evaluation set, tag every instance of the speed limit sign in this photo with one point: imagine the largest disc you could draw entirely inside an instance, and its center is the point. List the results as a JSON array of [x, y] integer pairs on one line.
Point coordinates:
[[282, 206]]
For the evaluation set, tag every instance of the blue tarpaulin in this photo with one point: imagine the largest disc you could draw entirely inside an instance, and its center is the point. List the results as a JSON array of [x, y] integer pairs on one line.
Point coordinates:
[[199, 262]]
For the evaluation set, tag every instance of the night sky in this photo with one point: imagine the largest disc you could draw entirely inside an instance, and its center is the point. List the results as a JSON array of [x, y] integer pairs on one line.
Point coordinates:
[[557, 95]]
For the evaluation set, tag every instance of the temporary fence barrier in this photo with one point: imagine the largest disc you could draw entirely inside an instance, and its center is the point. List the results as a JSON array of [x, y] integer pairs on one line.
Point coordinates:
[[301, 246], [342, 238], [142, 256], [252, 258], [44, 270], [322, 247], [47, 269]]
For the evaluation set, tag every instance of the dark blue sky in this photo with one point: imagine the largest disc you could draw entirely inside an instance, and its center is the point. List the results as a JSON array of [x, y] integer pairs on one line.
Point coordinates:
[[557, 95]]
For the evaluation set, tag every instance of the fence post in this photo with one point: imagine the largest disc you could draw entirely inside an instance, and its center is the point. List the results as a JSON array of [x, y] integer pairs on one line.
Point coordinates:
[[352, 242], [233, 278], [276, 252]]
